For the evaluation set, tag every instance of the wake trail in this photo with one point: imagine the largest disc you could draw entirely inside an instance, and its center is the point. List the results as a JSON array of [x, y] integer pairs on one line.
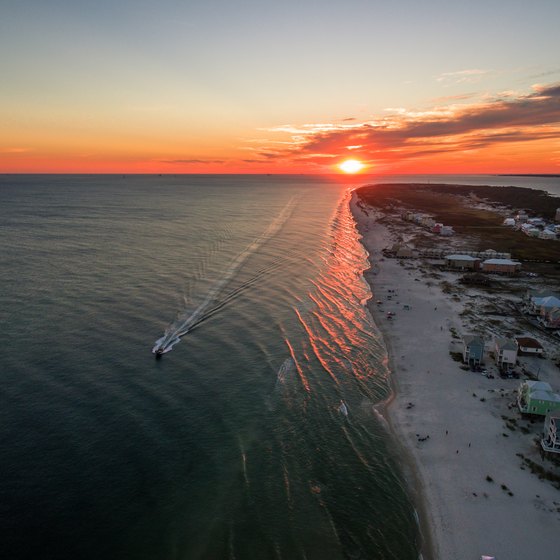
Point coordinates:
[[188, 320]]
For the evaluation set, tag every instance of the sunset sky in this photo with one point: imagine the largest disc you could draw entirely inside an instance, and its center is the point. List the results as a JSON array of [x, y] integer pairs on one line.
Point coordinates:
[[297, 86]]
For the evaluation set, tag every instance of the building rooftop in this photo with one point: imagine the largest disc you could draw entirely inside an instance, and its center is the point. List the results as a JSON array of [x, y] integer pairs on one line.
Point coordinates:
[[461, 258], [473, 338], [545, 396], [538, 385], [506, 344], [500, 261], [548, 301], [528, 342]]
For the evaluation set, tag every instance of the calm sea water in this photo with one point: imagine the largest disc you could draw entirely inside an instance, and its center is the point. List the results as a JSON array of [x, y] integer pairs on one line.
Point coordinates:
[[234, 444]]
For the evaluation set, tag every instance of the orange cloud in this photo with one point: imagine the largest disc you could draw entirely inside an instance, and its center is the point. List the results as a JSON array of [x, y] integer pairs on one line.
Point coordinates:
[[510, 133], [471, 133]]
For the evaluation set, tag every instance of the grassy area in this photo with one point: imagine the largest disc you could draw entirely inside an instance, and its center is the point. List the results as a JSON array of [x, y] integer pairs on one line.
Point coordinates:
[[450, 204]]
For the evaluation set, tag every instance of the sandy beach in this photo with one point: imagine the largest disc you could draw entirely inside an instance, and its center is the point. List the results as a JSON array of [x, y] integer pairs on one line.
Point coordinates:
[[474, 492]]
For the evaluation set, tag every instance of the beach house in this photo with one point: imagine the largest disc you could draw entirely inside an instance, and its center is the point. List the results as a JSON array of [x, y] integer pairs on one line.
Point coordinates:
[[548, 310], [547, 234], [501, 266], [551, 318], [428, 222], [505, 352], [462, 262], [547, 307], [490, 254], [473, 349], [530, 230], [541, 301], [537, 397], [551, 436], [547, 303], [402, 251], [529, 346]]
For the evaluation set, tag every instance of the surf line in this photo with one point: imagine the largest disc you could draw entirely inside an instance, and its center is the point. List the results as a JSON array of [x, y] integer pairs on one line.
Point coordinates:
[[187, 320]]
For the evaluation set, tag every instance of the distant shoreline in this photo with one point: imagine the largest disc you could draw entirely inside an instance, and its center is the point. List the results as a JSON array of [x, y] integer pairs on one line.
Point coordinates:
[[527, 174]]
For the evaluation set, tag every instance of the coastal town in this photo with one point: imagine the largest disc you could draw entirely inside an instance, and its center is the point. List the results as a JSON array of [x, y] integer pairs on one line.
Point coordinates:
[[473, 336]]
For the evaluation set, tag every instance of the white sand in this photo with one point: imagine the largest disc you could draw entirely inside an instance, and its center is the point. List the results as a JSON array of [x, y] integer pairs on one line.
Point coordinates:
[[465, 514]]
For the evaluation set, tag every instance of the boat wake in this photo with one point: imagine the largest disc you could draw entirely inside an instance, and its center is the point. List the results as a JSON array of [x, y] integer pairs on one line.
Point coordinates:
[[188, 319]]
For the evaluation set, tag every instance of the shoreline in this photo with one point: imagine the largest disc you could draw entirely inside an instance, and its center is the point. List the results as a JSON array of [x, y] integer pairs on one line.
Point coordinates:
[[427, 544], [471, 492]]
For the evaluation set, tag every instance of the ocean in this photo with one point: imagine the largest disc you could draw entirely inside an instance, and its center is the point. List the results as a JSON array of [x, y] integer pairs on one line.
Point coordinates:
[[255, 434]]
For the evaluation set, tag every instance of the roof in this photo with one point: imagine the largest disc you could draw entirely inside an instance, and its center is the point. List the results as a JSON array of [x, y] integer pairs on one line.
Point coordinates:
[[506, 344], [528, 342], [545, 396], [541, 294], [548, 301], [500, 261], [469, 339], [461, 258], [538, 385]]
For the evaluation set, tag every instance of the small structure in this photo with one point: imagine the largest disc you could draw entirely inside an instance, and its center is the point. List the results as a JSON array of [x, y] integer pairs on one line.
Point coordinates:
[[544, 304], [528, 345], [400, 251], [473, 349], [404, 252], [505, 350], [501, 266], [490, 254], [428, 222], [509, 222], [446, 231], [551, 436], [547, 234], [530, 230], [541, 301], [462, 262], [537, 397], [550, 319], [547, 302]]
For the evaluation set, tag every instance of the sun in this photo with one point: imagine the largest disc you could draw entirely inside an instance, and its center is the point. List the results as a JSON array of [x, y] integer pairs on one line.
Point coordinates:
[[351, 166]]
